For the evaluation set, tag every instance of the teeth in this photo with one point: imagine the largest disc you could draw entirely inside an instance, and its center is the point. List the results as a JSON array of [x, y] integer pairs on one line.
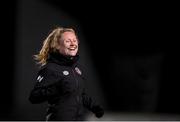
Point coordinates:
[[72, 48]]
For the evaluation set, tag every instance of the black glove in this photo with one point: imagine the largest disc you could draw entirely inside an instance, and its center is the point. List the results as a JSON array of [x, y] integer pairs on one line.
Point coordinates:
[[98, 111]]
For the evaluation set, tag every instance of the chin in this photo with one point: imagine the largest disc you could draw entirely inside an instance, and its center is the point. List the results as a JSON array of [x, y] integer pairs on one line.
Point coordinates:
[[72, 54]]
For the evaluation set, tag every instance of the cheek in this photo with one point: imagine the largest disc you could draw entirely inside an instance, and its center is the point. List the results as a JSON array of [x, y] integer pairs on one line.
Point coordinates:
[[62, 47], [66, 45]]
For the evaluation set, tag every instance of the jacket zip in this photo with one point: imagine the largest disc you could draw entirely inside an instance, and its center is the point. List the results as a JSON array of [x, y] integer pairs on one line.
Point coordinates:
[[76, 83], [77, 98], [75, 79]]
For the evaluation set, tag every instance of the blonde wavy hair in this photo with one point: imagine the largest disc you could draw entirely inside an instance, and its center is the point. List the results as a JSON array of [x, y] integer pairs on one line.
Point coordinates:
[[50, 44]]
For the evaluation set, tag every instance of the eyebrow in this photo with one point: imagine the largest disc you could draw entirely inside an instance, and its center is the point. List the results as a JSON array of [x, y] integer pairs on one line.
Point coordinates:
[[72, 39]]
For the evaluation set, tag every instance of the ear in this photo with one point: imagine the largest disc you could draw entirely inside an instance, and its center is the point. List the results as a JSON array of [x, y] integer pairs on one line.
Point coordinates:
[[58, 46]]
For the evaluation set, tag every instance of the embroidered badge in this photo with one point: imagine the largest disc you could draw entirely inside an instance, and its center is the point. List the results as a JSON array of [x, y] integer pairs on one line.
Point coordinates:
[[65, 73], [78, 70], [39, 78]]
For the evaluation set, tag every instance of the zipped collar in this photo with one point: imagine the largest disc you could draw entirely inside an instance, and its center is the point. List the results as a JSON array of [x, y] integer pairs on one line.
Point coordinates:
[[62, 59]]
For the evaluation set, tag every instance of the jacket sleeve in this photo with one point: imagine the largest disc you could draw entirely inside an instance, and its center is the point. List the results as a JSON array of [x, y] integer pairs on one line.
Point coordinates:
[[92, 105], [46, 86], [89, 102]]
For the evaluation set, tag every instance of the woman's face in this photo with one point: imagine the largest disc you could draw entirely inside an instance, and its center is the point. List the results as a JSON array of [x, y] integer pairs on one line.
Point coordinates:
[[68, 44]]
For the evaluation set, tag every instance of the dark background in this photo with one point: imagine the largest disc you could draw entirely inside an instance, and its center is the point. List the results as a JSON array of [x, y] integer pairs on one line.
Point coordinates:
[[131, 46]]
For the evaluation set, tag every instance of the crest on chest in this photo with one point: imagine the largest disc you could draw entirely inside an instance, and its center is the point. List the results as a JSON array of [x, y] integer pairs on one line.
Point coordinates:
[[78, 71], [65, 72]]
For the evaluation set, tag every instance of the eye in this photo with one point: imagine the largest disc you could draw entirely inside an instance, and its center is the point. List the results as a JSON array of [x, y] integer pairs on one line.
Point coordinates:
[[67, 41], [74, 40]]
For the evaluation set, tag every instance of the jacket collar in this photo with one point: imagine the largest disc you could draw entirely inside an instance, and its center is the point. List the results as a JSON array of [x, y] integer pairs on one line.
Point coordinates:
[[62, 59]]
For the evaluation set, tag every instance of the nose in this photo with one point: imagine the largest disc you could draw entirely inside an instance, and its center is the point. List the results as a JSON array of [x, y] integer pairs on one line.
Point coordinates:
[[73, 42]]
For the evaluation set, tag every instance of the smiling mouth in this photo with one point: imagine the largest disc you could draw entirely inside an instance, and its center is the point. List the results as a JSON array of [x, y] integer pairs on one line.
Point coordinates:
[[72, 48]]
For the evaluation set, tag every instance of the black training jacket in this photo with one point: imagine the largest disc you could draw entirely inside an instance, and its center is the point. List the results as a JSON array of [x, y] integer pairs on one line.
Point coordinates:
[[61, 83]]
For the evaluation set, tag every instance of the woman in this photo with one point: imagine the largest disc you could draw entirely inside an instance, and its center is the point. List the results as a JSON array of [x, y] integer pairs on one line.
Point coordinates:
[[60, 79]]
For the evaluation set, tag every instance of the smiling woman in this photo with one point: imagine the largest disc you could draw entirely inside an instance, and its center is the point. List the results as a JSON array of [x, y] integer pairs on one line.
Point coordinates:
[[68, 43], [61, 40], [60, 80]]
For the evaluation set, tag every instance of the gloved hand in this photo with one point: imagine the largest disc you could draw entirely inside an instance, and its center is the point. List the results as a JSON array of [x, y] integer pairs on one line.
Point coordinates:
[[98, 111]]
